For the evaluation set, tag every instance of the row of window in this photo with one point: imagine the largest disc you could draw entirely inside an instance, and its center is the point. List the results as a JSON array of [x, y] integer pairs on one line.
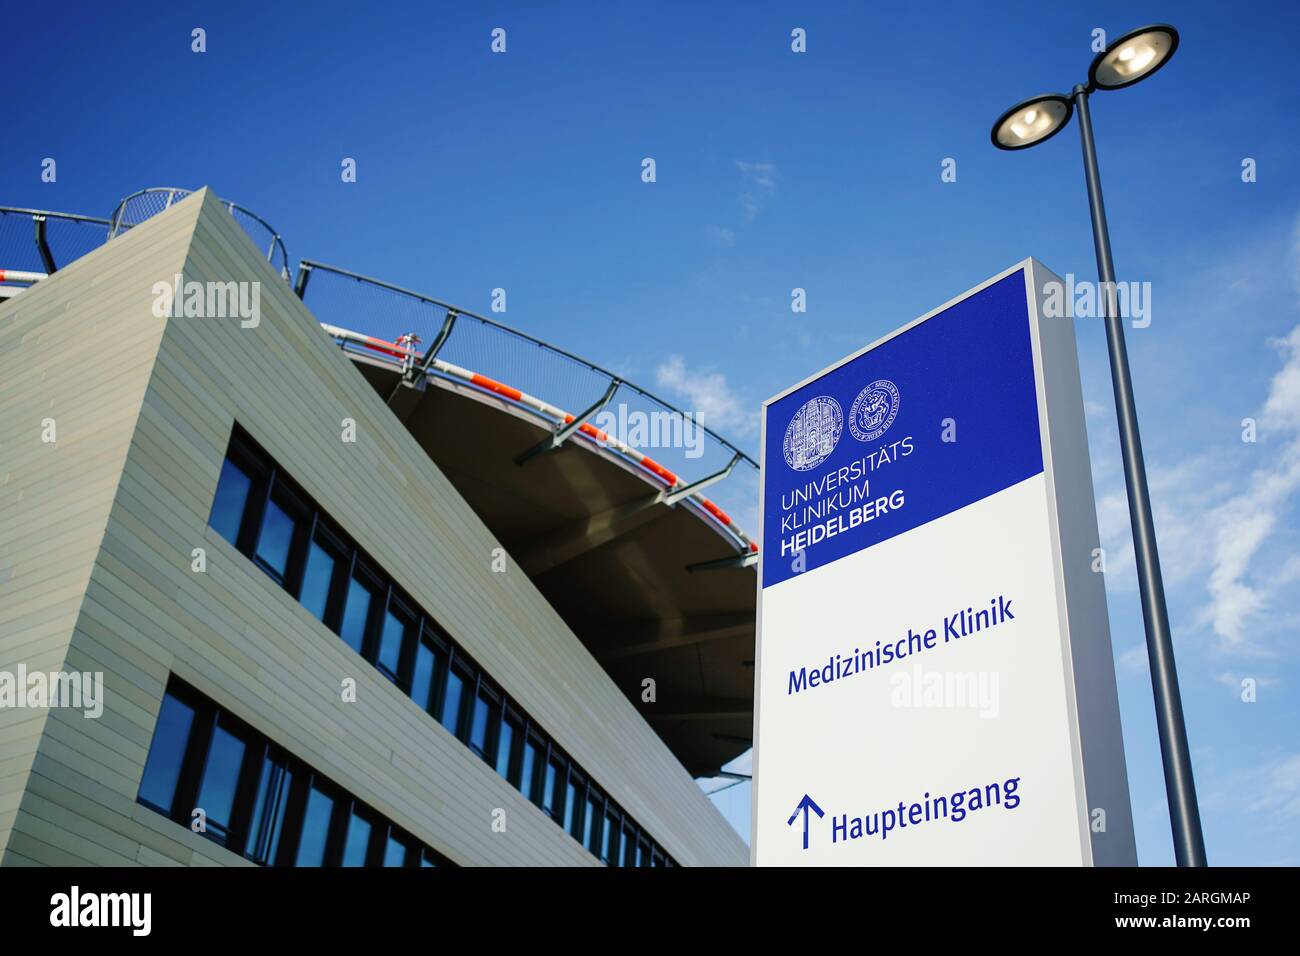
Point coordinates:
[[265, 515], [207, 768]]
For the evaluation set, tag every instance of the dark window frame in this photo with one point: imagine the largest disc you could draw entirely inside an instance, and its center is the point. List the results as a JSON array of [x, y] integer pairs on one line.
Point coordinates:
[[410, 846], [595, 806], [410, 618], [250, 460], [374, 583], [236, 829], [327, 539], [579, 782], [429, 637], [335, 827], [464, 668], [292, 503], [518, 723], [378, 829], [495, 705], [559, 793], [265, 839], [627, 842], [541, 743]]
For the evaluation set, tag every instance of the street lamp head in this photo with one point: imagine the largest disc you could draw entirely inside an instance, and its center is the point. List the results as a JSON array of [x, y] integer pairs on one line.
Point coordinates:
[[1133, 57], [1029, 123]]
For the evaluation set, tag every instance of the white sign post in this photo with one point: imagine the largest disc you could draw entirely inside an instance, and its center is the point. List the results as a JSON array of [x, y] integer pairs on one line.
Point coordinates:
[[935, 684]]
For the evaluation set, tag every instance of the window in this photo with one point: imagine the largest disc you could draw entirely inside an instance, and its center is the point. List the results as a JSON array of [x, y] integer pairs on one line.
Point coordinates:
[[484, 721], [527, 782], [509, 732], [318, 578], [591, 821], [553, 787], [269, 811], [231, 501], [258, 800], [356, 612], [453, 699], [628, 843], [314, 838], [396, 851], [395, 637], [162, 771], [423, 675], [573, 795], [268, 518], [221, 779], [276, 538], [357, 845], [609, 837]]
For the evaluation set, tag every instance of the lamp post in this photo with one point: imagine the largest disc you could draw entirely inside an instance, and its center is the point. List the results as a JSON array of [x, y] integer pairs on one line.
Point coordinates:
[[1128, 60]]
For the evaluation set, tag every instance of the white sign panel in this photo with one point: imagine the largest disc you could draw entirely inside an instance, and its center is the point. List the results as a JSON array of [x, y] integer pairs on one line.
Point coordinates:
[[934, 675]]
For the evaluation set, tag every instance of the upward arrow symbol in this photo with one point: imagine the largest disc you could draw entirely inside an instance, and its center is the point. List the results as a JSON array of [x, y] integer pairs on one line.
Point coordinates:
[[806, 804]]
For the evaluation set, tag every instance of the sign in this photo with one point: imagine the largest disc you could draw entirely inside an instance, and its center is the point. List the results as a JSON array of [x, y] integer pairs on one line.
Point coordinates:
[[935, 683]]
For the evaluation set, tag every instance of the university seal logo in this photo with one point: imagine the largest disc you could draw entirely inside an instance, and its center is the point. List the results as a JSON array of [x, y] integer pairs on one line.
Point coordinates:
[[874, 410], [813, 433]]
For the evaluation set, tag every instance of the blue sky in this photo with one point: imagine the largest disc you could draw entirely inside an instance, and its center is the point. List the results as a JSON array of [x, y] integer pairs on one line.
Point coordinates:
[[775, 171]]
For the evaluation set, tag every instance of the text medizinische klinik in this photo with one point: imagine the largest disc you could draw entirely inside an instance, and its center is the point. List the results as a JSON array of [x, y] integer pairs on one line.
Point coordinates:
[[838, 500]]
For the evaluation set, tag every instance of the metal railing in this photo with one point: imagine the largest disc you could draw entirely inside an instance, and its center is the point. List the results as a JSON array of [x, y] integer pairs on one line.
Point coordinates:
[[142, 205], [439, 334], [35, 240]]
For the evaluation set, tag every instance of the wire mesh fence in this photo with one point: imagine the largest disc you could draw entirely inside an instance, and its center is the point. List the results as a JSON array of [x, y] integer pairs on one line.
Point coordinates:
[[146, 203], [67, 237]]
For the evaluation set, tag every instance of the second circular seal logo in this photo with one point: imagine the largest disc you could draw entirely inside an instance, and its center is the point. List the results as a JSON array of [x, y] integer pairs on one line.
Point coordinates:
[[874, 410]]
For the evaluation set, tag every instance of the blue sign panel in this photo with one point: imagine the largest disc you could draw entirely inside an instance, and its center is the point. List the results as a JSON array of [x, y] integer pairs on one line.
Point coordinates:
[[934, 419]]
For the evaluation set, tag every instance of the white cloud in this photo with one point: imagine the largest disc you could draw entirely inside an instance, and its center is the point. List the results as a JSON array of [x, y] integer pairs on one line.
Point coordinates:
[[1255, 805], [1239, 591], [1223, 519], [723, 236], [1182, 499], [1134, 660], [707, 395], [762, 175], [1274, 787], [1232, 681], [760, 182]]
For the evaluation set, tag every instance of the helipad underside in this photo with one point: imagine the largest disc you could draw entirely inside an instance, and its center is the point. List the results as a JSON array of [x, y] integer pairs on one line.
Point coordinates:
[[614, 561]]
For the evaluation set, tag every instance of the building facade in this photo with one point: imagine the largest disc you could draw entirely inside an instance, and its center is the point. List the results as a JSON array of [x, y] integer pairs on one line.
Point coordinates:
[[313, 649]]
